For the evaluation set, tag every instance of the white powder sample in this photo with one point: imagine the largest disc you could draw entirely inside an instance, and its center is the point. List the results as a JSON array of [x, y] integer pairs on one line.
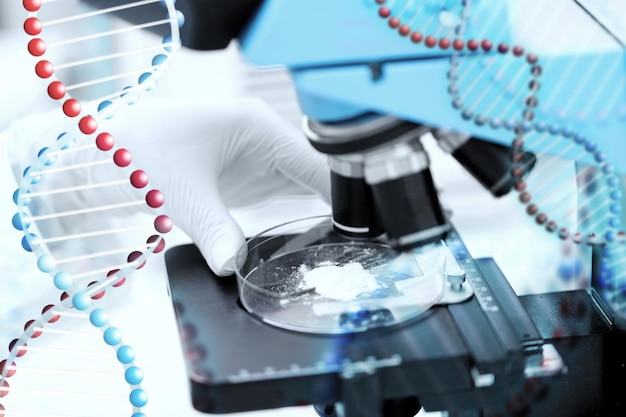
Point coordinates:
[[340, 282]]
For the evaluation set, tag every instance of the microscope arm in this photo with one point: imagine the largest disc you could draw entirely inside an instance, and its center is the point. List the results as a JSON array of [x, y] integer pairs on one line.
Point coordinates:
[[345, 59]]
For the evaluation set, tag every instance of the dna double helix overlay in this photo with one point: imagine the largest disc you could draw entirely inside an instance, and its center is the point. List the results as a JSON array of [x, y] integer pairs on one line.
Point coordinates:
[[87, 213], [504, 86], [552, 103]]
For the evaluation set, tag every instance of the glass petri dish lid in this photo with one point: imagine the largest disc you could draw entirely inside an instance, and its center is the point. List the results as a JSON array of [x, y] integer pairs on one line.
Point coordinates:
[[304, 276]]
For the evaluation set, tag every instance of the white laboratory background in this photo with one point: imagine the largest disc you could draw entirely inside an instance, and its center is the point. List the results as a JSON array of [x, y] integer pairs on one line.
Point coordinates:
[[528, 256]]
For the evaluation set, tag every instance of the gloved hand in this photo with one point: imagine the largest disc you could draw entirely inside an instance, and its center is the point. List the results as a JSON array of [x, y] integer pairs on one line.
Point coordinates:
[[205, 158]]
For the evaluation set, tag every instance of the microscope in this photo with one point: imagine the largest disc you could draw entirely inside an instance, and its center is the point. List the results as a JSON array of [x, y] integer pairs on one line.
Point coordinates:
[[373, 77]]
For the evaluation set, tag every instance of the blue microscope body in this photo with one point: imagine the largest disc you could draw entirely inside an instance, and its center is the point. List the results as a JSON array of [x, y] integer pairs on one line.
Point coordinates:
[[345, 59]]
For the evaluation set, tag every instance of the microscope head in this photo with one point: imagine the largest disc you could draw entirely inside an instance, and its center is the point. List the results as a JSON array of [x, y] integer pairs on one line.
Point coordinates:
[[381, 183]]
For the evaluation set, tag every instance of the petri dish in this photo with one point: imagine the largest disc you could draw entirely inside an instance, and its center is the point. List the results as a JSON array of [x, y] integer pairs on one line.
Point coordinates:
[[304, 276]]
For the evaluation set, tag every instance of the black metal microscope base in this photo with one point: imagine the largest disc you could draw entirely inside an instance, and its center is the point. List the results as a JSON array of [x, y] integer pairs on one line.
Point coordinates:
[[460, 358]]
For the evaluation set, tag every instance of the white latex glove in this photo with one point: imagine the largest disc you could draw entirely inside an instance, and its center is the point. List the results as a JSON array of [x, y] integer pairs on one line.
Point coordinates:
[[205, 158]]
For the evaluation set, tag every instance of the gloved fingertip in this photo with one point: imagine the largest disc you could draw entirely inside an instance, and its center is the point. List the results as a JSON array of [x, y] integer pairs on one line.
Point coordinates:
[[227, 268], [221, 255]]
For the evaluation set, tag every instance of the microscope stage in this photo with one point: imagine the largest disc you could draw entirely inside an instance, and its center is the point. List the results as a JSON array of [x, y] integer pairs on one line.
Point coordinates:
[[236, 362]]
